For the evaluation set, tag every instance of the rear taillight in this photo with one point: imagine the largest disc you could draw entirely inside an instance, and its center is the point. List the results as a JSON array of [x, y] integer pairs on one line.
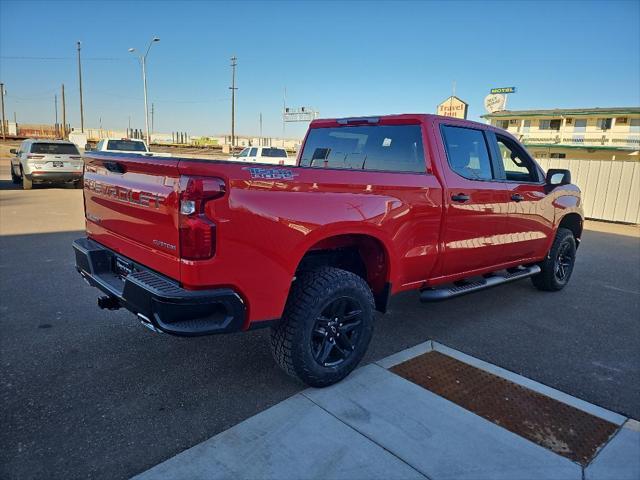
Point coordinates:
[[197, 232]]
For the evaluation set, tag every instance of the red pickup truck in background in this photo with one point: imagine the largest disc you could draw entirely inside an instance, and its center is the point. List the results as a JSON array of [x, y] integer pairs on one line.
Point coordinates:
[[374, 206]]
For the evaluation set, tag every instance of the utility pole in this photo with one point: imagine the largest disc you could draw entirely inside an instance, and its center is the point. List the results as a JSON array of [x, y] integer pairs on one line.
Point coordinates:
[[261, 129], [4, 133], [152, 113], [55, 101], [284, 111], [80, 82], [233, 101], [64, 116]]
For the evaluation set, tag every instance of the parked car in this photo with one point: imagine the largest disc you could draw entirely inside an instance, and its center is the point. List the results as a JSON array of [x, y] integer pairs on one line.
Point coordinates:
[[375, 206], [272, 155], [125, 145], [46, 161]]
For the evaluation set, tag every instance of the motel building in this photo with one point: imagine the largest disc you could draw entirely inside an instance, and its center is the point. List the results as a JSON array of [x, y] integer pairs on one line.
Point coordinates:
[[575, 133]]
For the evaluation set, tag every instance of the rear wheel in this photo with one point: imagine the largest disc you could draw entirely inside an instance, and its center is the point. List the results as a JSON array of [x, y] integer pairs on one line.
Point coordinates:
[[27, 184], [326, 327], [557, 267], [14, 178]]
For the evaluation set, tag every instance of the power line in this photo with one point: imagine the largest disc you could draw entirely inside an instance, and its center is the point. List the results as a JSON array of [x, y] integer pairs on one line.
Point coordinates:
[[105, 59]]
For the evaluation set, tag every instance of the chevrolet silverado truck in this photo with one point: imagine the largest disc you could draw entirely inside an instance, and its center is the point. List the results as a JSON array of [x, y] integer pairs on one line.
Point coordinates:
[[374, 206]]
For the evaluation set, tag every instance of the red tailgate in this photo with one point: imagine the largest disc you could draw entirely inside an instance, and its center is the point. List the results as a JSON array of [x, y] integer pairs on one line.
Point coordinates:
[[131, 206]]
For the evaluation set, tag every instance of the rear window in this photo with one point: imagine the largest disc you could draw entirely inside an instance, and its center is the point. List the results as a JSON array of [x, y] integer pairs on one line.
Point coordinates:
[[395, 148], [274, 152], [55, 148], [128, 145]]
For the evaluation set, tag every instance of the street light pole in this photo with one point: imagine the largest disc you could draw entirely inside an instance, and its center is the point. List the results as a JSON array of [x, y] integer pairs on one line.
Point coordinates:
[[146, 111], [143, 62]]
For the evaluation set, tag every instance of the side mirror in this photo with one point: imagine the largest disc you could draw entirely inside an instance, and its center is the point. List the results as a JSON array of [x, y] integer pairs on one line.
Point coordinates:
[[88, 147], [14, 151], [558, 176]]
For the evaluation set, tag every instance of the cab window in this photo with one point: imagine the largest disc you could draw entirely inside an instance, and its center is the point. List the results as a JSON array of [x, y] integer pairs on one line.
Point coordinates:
[[467, 152], [517, 165], [254, 152], [244, 153], [392, 148]]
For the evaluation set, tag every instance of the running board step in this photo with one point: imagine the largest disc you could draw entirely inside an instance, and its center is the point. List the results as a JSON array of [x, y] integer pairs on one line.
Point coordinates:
[[435, 294]]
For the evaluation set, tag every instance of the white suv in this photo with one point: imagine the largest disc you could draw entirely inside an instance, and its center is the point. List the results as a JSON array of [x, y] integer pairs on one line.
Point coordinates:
[[277, 156], [46, 161]]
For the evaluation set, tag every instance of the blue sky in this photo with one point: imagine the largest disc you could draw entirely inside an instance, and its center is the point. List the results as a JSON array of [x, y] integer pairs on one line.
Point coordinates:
[[359, 58]]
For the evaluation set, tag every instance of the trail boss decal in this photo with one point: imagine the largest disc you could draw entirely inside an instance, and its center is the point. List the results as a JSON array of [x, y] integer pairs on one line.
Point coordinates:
[[270, 173]]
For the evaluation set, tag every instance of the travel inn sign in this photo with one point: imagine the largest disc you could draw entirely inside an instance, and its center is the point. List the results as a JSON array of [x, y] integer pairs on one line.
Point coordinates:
[[453, 107]]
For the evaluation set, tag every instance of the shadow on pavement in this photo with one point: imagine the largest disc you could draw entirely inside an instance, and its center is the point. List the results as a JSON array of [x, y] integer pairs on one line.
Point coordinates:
[[87, 392]]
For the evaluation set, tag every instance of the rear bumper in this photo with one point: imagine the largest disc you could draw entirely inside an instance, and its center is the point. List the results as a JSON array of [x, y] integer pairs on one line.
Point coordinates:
[[44, 176], [156, 299]]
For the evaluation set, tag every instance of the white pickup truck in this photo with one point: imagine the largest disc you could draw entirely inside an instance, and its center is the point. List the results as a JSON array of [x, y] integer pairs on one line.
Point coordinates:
[[126, 145], [274, 155]]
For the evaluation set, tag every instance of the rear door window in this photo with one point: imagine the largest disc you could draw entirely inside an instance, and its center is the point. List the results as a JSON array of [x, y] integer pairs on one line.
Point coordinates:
[[394, 148], [467, 152], [54, 148]]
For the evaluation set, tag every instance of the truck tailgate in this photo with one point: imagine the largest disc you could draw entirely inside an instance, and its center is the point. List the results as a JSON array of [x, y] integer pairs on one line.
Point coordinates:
[[131, 205]]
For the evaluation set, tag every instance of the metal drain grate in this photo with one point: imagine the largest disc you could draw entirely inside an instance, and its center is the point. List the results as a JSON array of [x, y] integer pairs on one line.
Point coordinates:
[[561, 428]]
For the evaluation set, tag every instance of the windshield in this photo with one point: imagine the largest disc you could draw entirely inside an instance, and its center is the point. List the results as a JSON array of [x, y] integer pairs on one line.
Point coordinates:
[[55, 148], [274, 152], [395, 148], [126, 145]]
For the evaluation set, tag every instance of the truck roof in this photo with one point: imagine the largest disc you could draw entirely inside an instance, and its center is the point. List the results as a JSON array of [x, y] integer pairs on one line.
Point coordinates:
[[383, 119], [45, 140], [123, 138]]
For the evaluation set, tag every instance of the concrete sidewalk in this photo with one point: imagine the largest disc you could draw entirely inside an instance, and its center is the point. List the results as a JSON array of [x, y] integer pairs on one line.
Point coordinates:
[[376, 424]]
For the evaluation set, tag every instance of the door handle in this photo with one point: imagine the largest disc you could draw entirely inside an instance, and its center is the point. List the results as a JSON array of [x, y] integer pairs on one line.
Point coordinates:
[[460, 197], [516, 197]]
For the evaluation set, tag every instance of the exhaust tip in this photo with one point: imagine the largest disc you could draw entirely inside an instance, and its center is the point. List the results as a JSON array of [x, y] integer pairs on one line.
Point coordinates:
[[148, 324]]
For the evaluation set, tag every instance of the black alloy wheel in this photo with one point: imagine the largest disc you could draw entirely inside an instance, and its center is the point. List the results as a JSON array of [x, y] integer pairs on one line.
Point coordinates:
[[336, 331], [564, 262]]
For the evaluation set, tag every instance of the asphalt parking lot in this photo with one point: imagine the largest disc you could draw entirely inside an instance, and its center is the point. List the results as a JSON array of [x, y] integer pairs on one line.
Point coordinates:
[[91, 393]]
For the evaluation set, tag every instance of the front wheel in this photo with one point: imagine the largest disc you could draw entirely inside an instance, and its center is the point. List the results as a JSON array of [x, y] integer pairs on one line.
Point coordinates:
[[557, 267], [326, 327]]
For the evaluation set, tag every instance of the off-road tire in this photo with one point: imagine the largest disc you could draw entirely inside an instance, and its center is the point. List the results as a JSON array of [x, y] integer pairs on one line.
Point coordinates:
[[310, 294], [547, 279], [27, 183]]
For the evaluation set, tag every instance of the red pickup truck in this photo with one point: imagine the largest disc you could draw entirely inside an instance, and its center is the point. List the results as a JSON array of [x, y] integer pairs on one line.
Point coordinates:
[[374, 206]]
